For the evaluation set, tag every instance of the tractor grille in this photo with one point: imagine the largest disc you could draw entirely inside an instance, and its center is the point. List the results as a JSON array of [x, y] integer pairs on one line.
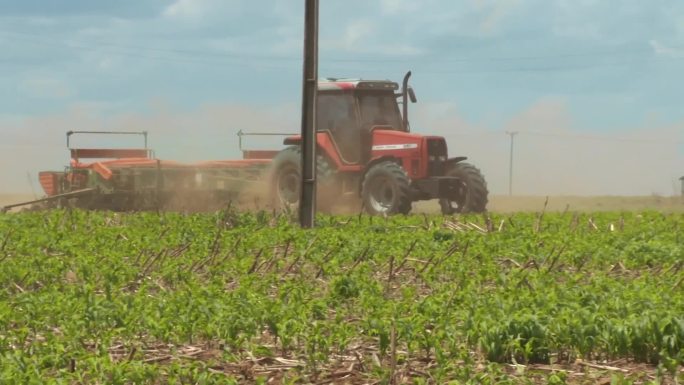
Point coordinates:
[[437, 156]]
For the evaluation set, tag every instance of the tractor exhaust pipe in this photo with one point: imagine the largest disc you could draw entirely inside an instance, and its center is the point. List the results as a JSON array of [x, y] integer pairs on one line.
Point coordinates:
[[404, 105]]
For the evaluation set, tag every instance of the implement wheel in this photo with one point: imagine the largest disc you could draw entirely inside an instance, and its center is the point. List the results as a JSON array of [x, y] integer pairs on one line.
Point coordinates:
[[286, 179]]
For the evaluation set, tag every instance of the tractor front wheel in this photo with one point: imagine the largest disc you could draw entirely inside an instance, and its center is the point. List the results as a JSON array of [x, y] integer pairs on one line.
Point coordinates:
[[470, 195], [386, 190]]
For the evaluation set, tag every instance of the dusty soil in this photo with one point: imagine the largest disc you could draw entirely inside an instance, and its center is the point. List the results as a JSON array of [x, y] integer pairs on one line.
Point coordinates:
[[506, 204]]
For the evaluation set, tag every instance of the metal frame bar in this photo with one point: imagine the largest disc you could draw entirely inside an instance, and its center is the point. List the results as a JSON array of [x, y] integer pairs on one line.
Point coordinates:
[[70, 194], [69, 133], [241, 133]]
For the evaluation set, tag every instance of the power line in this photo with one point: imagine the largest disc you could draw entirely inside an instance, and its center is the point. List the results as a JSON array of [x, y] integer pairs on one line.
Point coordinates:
[[505, 58], [346, 60], [237, 61], [246, 58], [602, 138]]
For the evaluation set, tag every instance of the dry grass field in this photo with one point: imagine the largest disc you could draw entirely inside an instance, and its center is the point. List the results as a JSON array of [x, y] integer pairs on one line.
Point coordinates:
[[506, 204]]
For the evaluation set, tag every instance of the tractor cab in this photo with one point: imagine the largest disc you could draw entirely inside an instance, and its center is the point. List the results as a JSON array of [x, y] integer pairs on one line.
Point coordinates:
[[348, 110]]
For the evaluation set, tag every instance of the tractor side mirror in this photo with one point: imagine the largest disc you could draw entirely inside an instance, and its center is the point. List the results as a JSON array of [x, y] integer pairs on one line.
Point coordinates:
[[412, 95]]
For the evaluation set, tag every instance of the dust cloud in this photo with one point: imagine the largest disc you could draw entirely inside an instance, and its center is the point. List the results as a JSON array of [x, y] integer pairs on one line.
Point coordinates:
[[553, 156], [208, 132]]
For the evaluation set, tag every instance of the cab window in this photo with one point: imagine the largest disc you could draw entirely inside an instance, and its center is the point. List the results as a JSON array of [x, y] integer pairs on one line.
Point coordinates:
[[379, 108]]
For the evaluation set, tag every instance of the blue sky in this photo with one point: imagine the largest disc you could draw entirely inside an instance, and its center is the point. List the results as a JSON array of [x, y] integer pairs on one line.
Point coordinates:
[[595, 87]]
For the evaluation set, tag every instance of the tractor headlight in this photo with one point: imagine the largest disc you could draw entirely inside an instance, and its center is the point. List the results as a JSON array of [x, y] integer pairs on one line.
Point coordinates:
[[431, 158], [442, 158]]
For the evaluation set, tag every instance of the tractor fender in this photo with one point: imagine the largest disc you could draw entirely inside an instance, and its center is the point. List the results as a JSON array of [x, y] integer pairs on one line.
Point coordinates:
[[455, 160], [373, 163]]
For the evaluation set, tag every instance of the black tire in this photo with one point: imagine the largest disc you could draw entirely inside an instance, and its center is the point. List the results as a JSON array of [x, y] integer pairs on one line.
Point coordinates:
[[386, 190], [286, 179], [471, 197]]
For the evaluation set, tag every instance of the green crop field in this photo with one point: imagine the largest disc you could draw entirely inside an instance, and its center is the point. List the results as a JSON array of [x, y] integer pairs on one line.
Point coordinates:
[[105, 298]]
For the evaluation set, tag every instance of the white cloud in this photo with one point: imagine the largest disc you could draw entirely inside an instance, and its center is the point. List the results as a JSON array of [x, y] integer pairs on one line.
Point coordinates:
[[107, 63], [664, 50], [363, 36], [184, 8], [496, 13], [357, 31], [549, 114], [191, 9], [42, 21], [400, 6], [46, 86], [474, 18]]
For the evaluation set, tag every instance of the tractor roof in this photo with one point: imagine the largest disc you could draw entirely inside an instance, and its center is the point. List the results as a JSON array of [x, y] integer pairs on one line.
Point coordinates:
[[334, 84]]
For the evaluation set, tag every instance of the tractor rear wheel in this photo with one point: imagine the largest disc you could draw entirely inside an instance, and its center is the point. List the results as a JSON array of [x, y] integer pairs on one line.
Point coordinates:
[[386, 190], [471, 194], [286, 179]]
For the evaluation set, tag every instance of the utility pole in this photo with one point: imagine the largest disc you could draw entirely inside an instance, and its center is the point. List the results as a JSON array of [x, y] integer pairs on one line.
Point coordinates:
[[307, 198], [510, 164]]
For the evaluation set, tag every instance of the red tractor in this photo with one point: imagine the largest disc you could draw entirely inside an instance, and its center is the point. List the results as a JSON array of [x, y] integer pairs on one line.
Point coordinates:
[[365, 149]]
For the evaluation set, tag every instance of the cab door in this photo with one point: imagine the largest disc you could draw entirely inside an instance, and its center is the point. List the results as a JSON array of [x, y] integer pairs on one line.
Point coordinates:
[[336, 114]]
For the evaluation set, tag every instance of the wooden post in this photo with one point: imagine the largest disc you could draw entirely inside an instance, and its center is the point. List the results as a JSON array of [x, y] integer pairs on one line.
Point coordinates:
[[307, 199]]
